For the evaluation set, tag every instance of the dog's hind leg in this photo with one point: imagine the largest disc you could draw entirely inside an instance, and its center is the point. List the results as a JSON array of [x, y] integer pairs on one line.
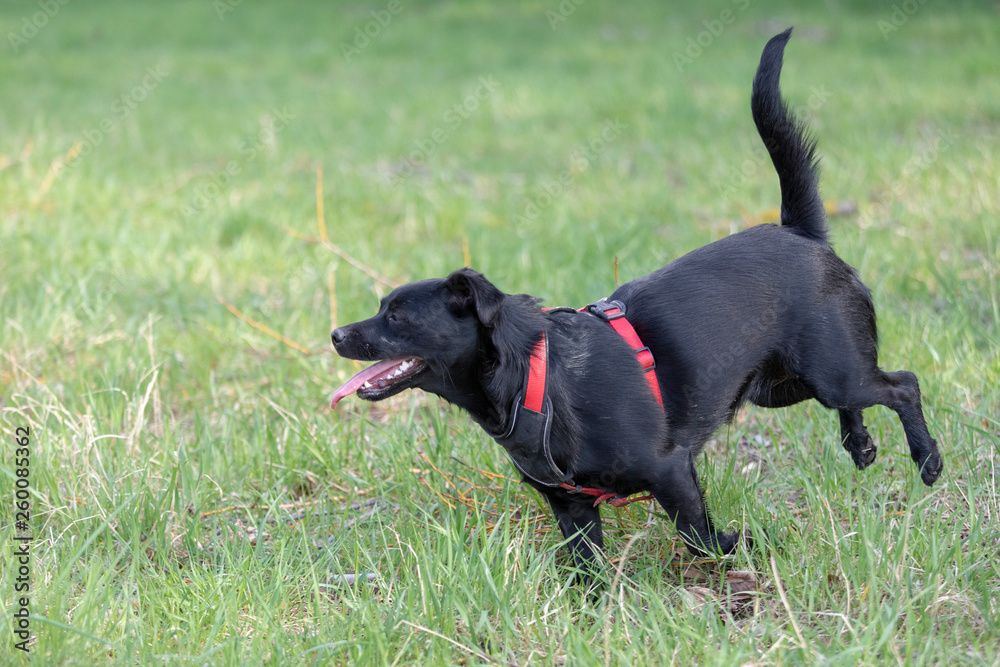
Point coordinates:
[[676, 489], [838, 361], [901, 392], [856, 439], [898, 391]]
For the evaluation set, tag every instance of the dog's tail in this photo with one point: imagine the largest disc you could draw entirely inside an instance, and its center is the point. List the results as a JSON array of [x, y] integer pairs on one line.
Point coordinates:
[[792, 151]]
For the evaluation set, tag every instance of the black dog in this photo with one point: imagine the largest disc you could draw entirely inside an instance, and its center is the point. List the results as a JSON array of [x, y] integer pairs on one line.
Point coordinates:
[[769, 315]]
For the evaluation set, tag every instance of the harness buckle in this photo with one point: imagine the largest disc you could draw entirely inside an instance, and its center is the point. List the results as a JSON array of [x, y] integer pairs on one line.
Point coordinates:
[[601, 308], [645, 358]]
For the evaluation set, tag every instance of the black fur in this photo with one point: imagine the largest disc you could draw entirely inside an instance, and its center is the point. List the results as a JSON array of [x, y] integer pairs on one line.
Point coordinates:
[[769, 315], [787, 140]]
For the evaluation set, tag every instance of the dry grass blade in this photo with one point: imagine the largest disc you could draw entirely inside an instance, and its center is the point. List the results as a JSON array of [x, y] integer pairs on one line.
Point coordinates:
[[332, 287], [788, 608], [264, 328], [56, 167], [471, 651], [320, 220], [301, 506], [474, 501], [340, 252]]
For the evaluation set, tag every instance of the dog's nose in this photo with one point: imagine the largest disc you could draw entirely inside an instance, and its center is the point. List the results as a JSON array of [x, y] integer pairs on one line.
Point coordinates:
[[338, 336]]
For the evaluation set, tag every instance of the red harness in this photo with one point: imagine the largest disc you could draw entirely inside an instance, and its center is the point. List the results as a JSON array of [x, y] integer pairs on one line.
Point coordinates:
[[612, 312]]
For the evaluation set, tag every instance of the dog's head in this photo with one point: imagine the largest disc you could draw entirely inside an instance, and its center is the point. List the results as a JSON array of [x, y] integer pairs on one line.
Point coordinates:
[[426, 335]]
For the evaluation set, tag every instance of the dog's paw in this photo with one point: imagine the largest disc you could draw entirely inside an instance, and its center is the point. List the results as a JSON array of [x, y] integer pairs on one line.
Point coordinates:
[[729, 542], [931, 467], [862, 450]]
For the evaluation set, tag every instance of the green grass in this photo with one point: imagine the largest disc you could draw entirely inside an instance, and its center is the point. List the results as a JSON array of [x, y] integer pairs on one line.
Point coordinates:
[[188, 483]]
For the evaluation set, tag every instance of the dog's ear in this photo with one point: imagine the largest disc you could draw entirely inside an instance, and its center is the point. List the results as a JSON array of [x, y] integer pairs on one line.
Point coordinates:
[[472, 292]]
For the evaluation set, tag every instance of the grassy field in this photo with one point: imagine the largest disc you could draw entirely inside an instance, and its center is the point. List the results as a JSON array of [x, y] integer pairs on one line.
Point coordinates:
[[193, 500]]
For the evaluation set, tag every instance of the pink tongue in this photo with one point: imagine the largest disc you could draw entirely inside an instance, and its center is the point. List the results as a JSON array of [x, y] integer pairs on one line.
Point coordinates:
[[359, 379]]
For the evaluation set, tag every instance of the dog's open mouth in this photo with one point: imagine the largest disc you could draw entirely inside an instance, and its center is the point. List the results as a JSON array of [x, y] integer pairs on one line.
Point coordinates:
[[381, 380]]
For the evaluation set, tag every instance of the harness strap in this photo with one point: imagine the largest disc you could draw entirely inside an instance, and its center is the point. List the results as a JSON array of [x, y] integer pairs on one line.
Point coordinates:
[[613, 499], [612, 312], [534, 393]]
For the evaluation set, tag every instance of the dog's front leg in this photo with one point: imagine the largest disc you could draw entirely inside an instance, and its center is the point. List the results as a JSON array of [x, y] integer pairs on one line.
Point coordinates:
[[580, 523], [678, 491]]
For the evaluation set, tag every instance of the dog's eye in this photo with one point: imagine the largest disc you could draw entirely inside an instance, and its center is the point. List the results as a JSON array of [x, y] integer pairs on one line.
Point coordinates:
[[393, 317]]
